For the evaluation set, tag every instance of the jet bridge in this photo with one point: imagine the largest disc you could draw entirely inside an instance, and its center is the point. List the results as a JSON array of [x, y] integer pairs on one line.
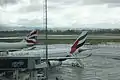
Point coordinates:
[[18, 64]]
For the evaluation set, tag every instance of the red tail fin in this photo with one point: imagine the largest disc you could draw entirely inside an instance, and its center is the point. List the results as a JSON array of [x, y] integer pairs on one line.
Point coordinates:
[[79, 42], [32, 37]]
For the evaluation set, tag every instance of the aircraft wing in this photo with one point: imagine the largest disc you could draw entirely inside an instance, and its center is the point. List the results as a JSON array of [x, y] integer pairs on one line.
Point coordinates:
[[29, 48], [10, 50], [85, 49], [24, 49], [117, 57], [62, 58]]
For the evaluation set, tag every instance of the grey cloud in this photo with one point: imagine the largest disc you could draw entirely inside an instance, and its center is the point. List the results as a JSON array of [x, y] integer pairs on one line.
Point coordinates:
[[57, 5], [26, 22], [65, 2], [35, 5], [24, 7], [112, 5], [6, 2], [39, 6], [112, 1], [31, 8], [84, 2], [90, 2]]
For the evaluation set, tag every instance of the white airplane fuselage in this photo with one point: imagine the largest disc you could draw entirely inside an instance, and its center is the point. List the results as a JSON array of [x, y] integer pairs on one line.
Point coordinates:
[[52, 53], [12, 46], [28, 41], [42, 53]]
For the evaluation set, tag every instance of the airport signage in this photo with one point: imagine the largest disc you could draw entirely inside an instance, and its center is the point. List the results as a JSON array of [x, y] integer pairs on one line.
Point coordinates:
[[13, 63]]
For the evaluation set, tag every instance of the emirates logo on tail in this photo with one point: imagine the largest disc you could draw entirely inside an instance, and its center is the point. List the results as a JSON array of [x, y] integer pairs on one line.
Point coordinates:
[[32, 37], [79, 42]]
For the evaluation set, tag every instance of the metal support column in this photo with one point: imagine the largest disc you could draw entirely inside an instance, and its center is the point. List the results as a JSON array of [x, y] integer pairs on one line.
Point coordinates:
[[17, 74], [46, 39]]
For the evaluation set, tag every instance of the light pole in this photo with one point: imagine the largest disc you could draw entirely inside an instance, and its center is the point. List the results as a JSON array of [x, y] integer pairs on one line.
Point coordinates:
[[46, 33]]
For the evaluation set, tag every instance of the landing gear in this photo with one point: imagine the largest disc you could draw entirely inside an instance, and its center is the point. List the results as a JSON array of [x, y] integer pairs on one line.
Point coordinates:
[[7, 52], [75, 65], [59, 78]]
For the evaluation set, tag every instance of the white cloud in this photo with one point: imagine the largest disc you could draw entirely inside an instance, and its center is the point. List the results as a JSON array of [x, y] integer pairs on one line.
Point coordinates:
[[62, 13]]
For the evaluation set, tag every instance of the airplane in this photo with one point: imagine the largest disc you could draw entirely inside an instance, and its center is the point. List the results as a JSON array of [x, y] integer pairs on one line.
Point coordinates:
[[28, 42], [57, 56]]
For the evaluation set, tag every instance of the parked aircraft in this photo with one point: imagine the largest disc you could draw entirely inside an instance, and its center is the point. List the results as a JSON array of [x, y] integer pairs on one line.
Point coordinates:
[[29, 41], [70, 53], [56, 56]]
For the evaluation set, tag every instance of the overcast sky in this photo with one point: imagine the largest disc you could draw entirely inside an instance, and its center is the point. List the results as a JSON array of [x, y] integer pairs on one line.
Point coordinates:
[[61, 13]]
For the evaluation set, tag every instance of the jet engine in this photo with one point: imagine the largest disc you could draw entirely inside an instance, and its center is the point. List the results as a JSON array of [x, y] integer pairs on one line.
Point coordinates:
[[81, 50], [54, 63]]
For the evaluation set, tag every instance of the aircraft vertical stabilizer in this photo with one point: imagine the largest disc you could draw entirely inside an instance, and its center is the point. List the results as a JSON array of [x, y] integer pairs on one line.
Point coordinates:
[[79, 42], [32, 37]]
